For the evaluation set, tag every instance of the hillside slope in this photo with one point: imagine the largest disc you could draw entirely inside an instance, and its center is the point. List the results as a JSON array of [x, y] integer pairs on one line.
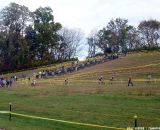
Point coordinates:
[[84, 100], [137, 65]]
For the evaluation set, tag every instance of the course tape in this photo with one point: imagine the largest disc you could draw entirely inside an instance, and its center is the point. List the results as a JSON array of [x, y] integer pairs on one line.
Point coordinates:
[[63, 121]]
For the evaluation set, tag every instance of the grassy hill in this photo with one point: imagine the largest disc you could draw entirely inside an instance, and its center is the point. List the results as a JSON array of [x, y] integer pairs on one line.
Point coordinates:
[[84, 100], [137, 65]]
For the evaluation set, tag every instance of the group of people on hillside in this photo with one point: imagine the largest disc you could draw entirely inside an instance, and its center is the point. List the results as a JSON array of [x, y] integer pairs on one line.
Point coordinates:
[[7, 82], [63, 70], [149, 78], [75, 66], [129, 83], [101, 79]]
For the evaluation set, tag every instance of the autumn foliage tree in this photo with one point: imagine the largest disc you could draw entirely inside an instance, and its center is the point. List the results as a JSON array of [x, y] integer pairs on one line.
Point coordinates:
[[118, 36], [29, 39]]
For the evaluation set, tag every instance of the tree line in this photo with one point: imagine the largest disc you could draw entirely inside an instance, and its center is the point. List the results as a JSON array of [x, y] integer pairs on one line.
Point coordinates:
[[119, 36], [30, 39]]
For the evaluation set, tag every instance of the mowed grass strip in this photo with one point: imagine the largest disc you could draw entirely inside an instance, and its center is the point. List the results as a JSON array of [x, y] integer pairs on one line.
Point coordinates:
[[115, 105]]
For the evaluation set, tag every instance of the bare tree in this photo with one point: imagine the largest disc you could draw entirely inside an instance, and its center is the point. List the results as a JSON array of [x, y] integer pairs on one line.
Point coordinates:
[[92, 41], [70, 42], [132, 38], [149, 32]]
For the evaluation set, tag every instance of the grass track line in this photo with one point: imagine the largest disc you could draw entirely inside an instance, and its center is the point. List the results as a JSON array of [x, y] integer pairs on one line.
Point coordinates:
[[119, 69]]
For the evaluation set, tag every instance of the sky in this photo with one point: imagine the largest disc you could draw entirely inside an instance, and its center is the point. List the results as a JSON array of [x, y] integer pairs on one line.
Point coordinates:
[[91, 15]]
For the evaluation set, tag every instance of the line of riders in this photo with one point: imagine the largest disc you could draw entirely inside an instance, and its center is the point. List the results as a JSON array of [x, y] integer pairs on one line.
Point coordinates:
[[73, 68], [8, 81], [130, 82]]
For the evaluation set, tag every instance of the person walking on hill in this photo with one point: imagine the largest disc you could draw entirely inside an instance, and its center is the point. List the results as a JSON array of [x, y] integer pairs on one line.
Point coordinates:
[[7, 82], [130, 81], [149, 77], [10, 82], [111, 79], [101, 79], [66, 81], [34, 82], [1, 82]]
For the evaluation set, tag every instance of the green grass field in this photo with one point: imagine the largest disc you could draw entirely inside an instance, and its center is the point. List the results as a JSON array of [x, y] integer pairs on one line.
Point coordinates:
[[85, 101]]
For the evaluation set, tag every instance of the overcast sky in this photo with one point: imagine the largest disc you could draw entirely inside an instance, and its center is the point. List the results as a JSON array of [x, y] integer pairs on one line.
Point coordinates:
[[94, 14]]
